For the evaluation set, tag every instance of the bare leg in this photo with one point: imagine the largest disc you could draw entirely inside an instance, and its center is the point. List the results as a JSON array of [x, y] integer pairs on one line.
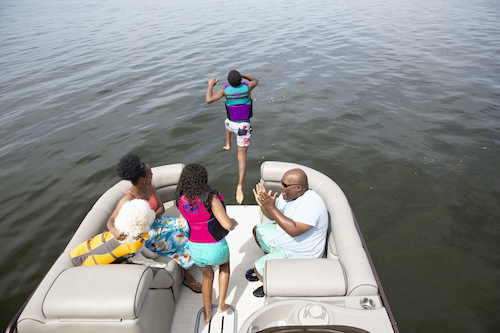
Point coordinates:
[[224, 271], [258, 275], [255, 235], [206, 289], [188, 276], [242, 167], [228, 141]]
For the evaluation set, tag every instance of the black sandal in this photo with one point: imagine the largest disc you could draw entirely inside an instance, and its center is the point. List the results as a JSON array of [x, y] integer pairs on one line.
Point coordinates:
[[251, 275], [259, 292]]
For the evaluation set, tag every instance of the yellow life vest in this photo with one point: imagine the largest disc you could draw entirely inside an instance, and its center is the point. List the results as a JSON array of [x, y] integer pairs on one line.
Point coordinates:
[[103, 249]]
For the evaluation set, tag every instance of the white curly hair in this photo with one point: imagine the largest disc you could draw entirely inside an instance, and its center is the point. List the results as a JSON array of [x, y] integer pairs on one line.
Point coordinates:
[[135, 218]]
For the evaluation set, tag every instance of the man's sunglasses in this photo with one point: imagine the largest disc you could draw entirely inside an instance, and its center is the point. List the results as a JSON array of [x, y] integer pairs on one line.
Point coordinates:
[[287, 185]]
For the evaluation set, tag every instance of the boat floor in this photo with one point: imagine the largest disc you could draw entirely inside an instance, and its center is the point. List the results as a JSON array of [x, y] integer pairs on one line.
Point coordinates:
[[243, 252]]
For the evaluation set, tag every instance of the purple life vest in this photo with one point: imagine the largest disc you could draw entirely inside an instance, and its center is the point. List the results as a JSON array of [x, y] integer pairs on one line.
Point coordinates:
[[238, 111]]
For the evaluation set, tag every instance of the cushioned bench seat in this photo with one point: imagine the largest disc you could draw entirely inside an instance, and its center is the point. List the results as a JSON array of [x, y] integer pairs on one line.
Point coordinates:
[[98, 292], [345, 269], [108, 298]]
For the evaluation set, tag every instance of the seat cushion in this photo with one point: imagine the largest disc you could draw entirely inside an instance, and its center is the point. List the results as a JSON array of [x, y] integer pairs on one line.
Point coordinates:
[[304, 278], [98, 292]]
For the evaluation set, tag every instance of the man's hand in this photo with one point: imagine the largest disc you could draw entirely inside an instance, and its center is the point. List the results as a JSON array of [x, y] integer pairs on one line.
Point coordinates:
[[263, 198]]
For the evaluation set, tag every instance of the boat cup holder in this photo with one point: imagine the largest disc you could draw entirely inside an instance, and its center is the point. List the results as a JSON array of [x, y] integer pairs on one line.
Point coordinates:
[[315, 311], [313, 314], [367, 304]]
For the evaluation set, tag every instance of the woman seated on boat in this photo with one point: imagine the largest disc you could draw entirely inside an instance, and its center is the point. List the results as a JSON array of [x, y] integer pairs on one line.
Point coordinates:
[[168, 236], [203, 207]]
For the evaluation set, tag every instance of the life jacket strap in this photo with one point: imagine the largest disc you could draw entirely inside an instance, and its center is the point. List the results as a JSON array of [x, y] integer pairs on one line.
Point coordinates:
[[236, 96]]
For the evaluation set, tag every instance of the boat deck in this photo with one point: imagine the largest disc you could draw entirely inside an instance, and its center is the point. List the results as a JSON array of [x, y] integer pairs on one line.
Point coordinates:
[[243, 253]]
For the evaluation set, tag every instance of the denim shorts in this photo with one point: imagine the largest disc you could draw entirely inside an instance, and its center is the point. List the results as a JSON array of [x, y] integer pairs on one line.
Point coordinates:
[[209, 254]]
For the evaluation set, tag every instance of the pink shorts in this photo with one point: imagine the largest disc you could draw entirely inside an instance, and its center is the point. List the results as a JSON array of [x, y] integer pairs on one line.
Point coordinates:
[[242, 131]]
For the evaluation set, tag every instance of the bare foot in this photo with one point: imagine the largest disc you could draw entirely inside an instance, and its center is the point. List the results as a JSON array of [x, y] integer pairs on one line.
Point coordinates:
[[208, 315], [225, 307], [239, 194], [227, 147]]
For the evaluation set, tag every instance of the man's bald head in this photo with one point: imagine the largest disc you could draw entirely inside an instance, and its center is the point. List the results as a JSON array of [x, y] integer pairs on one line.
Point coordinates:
[[294, 184]]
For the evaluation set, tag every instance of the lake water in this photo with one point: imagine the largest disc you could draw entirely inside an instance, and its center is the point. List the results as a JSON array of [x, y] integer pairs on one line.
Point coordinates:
[[397, 101]]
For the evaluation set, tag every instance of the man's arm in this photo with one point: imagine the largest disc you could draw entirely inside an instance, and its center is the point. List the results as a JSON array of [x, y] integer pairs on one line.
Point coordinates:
[[290, 226], [252, 81], [267, 204], [211, 97]]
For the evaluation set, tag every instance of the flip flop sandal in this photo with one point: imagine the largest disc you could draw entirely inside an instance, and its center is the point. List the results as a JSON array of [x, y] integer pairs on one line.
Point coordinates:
[[251, 276], [194, 286], [259, 292]]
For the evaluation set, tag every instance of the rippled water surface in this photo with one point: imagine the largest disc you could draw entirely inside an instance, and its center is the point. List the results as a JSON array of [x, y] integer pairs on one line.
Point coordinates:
[[397, 101]]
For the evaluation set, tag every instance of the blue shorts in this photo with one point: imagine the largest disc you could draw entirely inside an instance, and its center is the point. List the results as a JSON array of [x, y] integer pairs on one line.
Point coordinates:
[[209, 254], [265, 236]]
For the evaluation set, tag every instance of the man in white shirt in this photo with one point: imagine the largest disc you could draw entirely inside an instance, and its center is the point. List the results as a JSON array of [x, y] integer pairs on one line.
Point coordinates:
[[300, 223]]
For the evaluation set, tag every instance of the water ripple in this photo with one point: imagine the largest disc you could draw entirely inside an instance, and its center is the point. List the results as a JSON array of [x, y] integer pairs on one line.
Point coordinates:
[[395, 100]]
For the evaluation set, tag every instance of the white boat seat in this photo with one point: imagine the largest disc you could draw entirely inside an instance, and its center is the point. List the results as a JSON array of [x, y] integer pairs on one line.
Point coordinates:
[[107, 298], [313, 278], [345, 271], [98, 292]]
